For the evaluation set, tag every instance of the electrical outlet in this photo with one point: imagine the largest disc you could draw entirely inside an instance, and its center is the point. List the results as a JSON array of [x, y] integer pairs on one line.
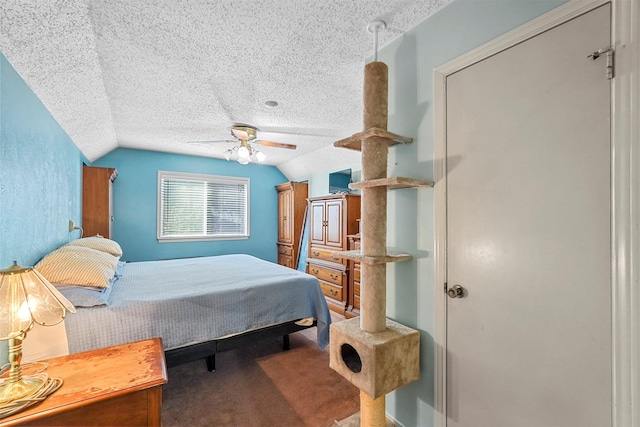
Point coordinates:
[[72, 226]]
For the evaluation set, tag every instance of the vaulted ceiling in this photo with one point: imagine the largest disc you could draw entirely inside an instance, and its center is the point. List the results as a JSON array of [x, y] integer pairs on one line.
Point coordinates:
[[156, 74]]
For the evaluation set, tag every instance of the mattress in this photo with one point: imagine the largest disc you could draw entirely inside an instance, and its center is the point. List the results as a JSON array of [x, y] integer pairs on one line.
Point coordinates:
[[186, 301]]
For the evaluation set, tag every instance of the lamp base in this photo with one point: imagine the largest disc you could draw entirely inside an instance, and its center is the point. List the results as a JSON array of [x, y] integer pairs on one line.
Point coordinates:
[[35, 393], [25, 387]]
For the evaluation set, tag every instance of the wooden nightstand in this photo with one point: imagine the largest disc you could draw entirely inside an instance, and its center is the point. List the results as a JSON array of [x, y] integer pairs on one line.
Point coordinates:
[[114, 386]]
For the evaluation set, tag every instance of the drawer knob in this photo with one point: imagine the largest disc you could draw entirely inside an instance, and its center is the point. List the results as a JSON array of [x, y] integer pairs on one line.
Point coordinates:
[[333, 292], [334, 276], [314, 271]]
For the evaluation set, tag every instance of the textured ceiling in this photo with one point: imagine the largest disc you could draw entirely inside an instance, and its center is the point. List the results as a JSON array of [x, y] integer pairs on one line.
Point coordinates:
[[155, 74]]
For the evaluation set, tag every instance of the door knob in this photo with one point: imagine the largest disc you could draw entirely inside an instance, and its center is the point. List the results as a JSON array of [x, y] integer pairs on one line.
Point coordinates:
[[456, 292]]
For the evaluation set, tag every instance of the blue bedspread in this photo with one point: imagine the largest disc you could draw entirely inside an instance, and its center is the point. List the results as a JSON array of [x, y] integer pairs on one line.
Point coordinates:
[[192, 300]]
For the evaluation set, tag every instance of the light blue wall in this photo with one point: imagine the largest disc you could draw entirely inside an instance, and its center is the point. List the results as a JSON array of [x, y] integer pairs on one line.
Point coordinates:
[[40, 175], [458, 28], [135, 205]]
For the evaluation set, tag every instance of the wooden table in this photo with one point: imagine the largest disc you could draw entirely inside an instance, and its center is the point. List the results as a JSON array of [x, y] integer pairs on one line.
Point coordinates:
[[114, 386]]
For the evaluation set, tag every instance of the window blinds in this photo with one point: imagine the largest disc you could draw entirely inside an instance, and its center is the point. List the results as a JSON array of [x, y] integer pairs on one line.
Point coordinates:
[[202, 206]]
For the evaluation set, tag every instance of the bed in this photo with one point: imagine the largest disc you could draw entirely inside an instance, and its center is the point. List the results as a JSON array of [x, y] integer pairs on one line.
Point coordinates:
[[198, 306]]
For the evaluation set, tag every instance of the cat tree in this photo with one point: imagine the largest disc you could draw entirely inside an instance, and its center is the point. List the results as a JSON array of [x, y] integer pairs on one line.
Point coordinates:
[[374, 353]]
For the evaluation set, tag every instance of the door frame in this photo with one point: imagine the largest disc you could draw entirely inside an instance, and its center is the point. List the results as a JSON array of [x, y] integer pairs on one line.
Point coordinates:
[[625, 201]]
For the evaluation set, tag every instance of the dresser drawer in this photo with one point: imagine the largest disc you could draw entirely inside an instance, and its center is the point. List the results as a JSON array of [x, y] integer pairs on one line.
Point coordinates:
[[324, 255], [356, 272], [285, 260], [331, 290], [356, 293], [327, 274], [285, 250]]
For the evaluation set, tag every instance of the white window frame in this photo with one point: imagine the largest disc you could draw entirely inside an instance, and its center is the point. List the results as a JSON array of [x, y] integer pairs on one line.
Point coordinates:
[[163, 175]]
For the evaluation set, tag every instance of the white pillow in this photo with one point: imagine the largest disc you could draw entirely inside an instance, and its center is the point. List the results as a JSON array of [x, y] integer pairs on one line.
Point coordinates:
[[99, 243], [78, 265]]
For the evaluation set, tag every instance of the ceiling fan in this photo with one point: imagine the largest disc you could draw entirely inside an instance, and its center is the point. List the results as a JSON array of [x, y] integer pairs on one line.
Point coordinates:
[[245, 136]]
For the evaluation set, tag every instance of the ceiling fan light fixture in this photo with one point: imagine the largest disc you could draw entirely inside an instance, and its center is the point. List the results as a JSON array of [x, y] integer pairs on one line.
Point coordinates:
[[240, 133], [244, 137], [243, 152], [243, 132]]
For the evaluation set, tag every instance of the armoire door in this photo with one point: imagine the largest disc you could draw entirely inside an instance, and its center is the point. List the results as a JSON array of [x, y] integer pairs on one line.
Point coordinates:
[[334, 214], [317, 223], [528, 196], [285, 213]]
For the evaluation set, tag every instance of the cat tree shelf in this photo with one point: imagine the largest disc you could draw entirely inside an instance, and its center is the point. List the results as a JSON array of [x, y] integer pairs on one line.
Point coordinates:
[[354, 142], [392, 183], [372, 260]]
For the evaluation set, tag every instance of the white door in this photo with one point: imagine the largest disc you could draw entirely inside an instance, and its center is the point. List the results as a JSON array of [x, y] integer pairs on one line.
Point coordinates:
[[528, 233]]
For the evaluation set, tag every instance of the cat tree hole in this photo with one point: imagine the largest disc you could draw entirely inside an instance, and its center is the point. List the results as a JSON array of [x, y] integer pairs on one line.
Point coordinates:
[[351, 358]]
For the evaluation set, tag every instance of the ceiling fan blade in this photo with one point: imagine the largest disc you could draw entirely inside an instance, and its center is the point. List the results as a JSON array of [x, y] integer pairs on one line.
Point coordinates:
[[275, 144], [310, 132], [211, 142]]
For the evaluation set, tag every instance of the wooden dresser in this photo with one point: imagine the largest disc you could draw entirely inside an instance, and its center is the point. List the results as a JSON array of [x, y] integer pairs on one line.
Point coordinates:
[[113, 386], [292, 202], [353, 293], [97, 200], [331, 220]]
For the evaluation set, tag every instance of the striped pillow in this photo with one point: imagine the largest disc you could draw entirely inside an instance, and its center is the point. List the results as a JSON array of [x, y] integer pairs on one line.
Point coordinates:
[[78, 265], [99, 243]]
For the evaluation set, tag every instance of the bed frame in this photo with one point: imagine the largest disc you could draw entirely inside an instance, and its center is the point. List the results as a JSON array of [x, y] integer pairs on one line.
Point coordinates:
[[207, 350]]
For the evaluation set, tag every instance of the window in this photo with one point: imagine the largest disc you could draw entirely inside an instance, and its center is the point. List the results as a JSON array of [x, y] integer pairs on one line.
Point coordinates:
[[202, 207]]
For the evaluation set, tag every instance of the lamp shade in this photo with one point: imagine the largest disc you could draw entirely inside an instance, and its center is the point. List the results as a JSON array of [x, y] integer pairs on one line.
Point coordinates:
[[27, 298]]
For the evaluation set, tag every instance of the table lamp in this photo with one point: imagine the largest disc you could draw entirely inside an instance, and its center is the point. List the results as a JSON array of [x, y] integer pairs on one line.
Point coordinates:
[[26, 298]]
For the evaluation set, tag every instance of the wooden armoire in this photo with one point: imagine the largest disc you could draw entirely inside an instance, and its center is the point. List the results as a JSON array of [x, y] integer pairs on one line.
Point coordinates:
[[292, 202], [97, 200], [331, 220]]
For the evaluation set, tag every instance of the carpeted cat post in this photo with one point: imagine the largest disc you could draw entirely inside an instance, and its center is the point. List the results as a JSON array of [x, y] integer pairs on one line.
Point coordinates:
[[376, 354]]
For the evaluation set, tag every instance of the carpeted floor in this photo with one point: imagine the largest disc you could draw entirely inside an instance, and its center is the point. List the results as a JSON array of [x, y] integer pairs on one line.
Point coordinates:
[[260, 386]]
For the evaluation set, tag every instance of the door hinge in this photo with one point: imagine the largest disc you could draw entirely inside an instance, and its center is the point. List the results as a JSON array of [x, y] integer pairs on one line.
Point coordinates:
[[609, 52]]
